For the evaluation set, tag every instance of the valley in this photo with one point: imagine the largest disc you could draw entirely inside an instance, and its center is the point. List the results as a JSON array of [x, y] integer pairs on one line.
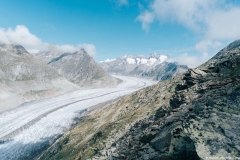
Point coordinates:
[[120, 80], [35, 125]]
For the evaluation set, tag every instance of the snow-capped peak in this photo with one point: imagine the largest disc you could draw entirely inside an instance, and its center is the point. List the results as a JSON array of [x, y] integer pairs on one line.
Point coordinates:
[[148, 60], [108, 60], [163, 58], [131, 61], [152, 59]]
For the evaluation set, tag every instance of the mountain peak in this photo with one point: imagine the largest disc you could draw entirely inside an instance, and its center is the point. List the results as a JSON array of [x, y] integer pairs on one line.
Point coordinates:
[[151, 59], [77, 66], [151, 55], [224, 55], [231, 46], [13, 48], [154, 66]]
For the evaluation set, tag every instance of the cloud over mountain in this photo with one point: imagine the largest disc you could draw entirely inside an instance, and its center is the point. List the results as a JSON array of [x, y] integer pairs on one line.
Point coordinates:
[[21, 35], [67, 48]]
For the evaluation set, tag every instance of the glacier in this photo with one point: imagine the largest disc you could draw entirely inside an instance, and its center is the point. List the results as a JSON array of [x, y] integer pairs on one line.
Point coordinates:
[[32, 126]]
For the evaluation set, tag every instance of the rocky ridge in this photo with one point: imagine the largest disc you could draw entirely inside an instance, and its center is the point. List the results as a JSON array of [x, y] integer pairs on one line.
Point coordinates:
[[193, 116], [155, 66], [78, 67]]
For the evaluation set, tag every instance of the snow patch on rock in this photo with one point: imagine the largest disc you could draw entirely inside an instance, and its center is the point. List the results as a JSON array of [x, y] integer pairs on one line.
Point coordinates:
[[162, 58], [131, 61], [152, 61], [144, 61]]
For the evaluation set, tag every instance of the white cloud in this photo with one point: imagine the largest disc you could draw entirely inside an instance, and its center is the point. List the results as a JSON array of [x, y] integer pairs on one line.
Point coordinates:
[[190, 13], [22, 36], [214, 21], [146, 18], [192, 61], [224, 24], [89, 48], [204, 45], [67, 48]]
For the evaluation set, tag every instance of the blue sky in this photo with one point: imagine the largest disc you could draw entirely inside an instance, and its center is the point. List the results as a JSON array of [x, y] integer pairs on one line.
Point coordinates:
[[190, 31]]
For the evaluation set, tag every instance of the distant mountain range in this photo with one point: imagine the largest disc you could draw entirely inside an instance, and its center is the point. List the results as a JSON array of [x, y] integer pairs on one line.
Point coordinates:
[[155, 66]]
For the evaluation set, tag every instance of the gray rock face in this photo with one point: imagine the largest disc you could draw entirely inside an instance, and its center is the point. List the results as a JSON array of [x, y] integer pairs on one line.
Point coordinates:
[[190, 117], [78, 68], [24, 77], [155, 66], [18, 65]]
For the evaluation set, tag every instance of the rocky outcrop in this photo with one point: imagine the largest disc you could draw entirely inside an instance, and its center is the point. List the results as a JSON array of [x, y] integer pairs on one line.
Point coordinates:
[[77, 67], [155, 66], [193, 116]]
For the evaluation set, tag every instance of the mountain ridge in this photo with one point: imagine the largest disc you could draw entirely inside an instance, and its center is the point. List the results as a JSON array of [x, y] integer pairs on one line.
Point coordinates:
[[154, 66], [192, 116], [78, 67]]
